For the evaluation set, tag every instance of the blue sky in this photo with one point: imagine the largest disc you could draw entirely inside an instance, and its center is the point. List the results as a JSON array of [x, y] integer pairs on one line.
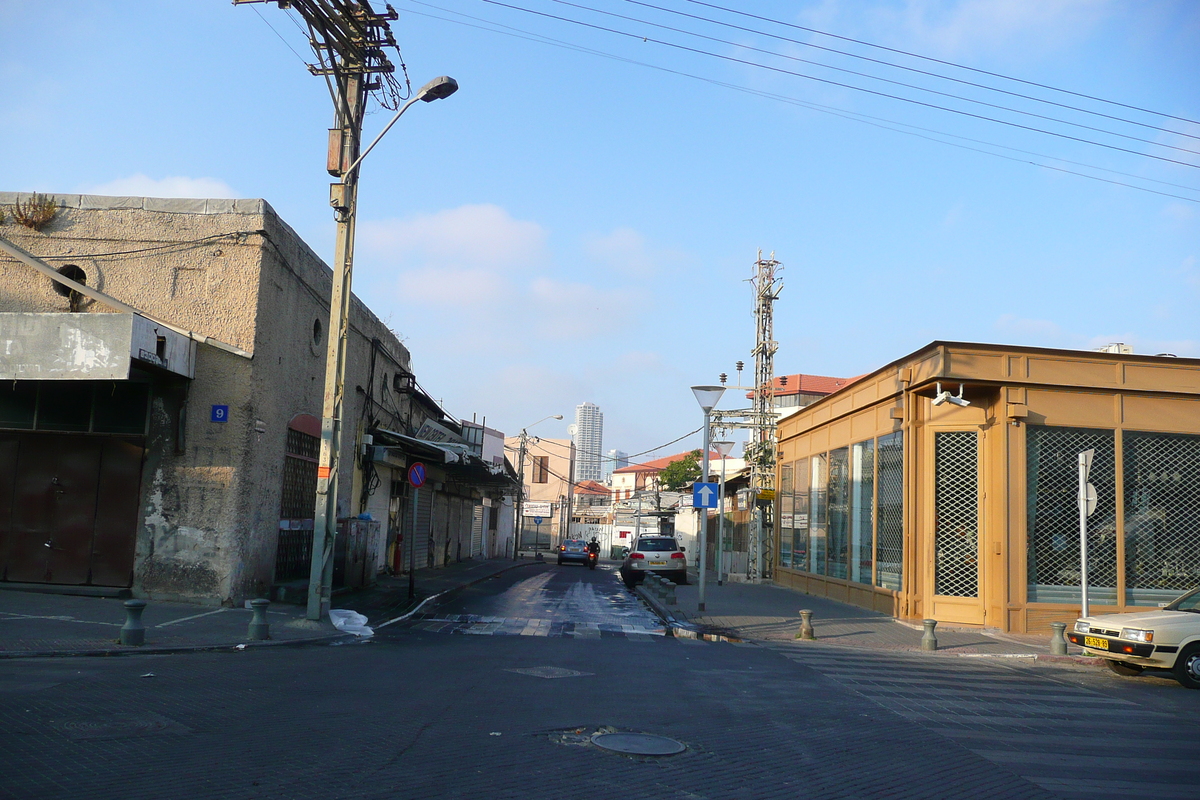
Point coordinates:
[[578, 222]]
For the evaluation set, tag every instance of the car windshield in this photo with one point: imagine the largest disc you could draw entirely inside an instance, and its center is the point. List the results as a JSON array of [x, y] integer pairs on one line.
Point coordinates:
[[1189, 602], [656, 545]]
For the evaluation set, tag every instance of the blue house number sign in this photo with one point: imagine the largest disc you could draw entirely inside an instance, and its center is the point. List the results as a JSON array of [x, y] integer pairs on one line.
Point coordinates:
[[220, 414]]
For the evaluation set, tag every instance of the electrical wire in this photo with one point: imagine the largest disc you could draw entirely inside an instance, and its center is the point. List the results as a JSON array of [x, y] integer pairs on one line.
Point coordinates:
[[155, 248], [491, 26], [793, 73], [893, 82], [943, 62], [928, 73]]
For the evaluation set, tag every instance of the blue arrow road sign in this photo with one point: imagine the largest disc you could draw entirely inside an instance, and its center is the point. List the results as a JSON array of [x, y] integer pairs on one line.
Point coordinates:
[[704, 495]]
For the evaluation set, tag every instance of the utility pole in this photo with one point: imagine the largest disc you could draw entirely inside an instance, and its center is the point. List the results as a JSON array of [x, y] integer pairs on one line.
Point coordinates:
[[519, 525], [349, 40]]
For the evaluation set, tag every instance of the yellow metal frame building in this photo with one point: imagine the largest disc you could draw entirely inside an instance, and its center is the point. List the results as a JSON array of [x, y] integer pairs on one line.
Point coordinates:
[[967, 514]]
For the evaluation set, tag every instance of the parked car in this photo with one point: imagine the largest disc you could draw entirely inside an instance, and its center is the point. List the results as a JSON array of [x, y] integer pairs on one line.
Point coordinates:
[[1167, 638], [654, 554], [574, 550]]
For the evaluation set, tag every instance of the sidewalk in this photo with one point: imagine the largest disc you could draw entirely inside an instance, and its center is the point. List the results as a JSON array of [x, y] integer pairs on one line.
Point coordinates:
[[35, 624], [765, 612]]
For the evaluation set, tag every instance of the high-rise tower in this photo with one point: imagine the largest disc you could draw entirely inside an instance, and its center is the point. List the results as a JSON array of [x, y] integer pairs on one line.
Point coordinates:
[[589, 439]]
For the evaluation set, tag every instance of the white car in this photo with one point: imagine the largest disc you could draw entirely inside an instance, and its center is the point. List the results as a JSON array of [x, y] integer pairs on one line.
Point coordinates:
[[1168, 638], [654, 553]]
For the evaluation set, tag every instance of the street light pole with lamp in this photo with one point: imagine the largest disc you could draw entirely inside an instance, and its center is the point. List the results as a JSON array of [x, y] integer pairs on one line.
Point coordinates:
[[707, 397], [343, 196], [519, 526]]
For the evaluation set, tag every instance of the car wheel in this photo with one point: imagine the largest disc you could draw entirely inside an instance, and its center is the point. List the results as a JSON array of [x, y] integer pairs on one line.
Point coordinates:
[[1187, 667], [1121, 668], [560, 562], [680, 578]]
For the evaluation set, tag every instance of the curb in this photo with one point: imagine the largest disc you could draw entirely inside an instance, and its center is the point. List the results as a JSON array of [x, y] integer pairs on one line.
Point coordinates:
[[158, 651], [675, 627]]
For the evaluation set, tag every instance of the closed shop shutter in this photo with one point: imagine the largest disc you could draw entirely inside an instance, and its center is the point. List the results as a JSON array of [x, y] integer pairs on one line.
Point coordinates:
[[477, 531]]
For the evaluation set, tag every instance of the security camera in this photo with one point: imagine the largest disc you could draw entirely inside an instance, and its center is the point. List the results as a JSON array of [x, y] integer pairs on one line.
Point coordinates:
[[941, 397], [945, 397]]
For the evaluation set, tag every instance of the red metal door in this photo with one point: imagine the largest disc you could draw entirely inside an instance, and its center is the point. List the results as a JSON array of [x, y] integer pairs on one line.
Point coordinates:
[[116, 513]]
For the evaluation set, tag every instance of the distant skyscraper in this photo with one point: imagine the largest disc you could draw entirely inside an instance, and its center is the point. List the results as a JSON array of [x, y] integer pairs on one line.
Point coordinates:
[[615, 459], [589, 439]]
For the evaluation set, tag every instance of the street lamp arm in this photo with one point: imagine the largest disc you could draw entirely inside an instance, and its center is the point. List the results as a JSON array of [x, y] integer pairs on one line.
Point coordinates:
[[436, 89]]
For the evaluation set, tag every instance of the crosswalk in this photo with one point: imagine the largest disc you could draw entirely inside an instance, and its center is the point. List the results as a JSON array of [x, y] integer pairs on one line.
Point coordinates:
[[477, 625], [1069, 740]]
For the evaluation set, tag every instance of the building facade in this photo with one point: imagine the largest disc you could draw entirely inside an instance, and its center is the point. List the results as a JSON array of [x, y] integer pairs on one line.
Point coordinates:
[[184, 465], [944, 485], [614, 460], [546, 509], [589, 442]]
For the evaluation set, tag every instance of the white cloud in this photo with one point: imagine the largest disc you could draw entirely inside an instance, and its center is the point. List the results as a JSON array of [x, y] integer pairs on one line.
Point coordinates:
[[626, 251], [140, 185], [472, 237]]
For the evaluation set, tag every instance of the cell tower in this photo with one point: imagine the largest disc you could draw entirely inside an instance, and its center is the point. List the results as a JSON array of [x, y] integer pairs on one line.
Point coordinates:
[[761, 449]]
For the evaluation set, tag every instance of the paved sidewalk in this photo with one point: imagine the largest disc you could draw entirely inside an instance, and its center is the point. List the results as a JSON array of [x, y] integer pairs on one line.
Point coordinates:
[[766, 612], [36, 624]]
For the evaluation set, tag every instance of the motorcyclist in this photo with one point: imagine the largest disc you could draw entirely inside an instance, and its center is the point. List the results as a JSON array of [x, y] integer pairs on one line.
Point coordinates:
[[594, 546]]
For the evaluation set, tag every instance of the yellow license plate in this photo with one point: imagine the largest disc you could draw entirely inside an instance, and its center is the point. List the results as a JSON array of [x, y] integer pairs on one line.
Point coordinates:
[[1092, 641], [658, 563]]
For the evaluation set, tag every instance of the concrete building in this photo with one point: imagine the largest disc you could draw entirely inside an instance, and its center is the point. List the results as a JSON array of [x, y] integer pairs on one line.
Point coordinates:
[[183, 465], [614, 460], [944, 485], [545, 513], [589, 442]]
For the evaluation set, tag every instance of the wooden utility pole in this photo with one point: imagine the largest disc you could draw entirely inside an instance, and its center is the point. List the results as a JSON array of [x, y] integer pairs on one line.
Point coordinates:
[[350, 41]]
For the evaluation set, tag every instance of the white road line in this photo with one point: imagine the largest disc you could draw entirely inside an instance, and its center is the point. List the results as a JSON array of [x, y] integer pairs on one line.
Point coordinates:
[[193, 616]]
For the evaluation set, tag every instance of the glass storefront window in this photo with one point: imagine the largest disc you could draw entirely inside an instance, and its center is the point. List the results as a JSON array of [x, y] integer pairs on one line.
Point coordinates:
[[800, 517], [818, 521], [862, 510], [1162, 516], [785, 515], [1052, 515], [839, 512], [889, 517]]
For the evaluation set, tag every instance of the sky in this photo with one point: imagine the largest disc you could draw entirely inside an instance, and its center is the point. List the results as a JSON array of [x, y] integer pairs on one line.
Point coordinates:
[[579, 222]]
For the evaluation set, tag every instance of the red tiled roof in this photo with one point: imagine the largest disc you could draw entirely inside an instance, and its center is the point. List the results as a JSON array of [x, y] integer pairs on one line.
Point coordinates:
[[810, 384], [592, 488], [659, 464]]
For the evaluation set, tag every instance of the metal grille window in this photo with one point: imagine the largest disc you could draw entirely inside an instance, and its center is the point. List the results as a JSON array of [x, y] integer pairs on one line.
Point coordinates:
[[1052, 522], [818, 521], [839, 511], [800, 517], [1162, 516], [299, 498], [862, 509], [889, 517], [956, 504]]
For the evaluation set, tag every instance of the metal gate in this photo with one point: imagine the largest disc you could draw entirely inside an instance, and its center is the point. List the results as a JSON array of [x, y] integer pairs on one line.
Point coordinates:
[[68, 508], [477, 531], [956, 509]]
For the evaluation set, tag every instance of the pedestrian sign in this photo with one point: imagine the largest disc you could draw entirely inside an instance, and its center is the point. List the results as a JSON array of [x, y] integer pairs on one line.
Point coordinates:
[[704, 495]]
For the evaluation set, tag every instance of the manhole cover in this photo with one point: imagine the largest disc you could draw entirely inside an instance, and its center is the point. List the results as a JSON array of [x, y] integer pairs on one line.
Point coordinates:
[[638, 744]]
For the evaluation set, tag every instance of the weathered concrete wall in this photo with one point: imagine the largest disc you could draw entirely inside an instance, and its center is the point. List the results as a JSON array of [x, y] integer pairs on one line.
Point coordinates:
[[234, 271]]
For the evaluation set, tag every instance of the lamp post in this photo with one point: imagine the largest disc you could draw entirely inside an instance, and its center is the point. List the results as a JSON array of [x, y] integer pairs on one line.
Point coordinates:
[[519, 527], [343, 196], [723, 449], [707, 397]]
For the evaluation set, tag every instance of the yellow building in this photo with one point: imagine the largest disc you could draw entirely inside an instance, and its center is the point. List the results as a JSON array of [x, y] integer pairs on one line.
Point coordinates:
[[965, 510]]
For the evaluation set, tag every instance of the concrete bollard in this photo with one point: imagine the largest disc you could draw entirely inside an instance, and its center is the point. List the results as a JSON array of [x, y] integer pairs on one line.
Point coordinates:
[[1058, 645], [806, 628], [259, 627], [929, 639], [133, 633]]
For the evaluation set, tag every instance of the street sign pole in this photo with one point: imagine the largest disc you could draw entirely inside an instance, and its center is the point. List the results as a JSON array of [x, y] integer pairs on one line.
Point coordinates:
[[416, 479], [1085, 466]]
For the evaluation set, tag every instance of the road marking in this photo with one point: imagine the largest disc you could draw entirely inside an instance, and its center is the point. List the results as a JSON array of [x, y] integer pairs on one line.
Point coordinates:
[[193, 616]]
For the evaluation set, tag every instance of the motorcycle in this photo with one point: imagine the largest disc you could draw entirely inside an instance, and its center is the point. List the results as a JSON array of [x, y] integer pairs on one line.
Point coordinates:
[[593, 559]]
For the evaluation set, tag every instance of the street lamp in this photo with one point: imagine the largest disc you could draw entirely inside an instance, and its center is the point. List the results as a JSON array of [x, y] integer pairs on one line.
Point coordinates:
[[343, 196], [723, 449], [707, 397], [519, 528]]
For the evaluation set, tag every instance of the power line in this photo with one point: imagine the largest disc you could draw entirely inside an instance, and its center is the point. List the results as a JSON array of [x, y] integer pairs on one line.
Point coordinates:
[[889, 80], [492, 26], [940, 61], [894, 65], [863, 89]]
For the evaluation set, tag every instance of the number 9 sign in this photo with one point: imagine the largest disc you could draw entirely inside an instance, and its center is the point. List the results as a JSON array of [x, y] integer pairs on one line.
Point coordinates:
[[220, 414]]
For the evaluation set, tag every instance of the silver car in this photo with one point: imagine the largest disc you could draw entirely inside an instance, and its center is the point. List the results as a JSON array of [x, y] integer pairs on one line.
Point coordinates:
[[573, 550], [660, 554]]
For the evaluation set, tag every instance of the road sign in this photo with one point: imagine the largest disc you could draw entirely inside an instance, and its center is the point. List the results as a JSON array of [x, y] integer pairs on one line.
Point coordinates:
[[1089, 500], [537, 520], [704, 495], [766, 495], [220, 414], [416, 475]]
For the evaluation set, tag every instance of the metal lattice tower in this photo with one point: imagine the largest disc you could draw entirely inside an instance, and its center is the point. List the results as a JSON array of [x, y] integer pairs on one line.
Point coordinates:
[[767, 286]]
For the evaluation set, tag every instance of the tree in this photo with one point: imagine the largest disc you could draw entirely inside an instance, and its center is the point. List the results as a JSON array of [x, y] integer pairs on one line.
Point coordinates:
[[678, 475]]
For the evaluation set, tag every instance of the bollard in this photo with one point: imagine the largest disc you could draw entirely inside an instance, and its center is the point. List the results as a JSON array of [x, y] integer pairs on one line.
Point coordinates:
[[133, 633], [806, 628], [259, 627], [1058, 645], [929, 640], [669, 597]]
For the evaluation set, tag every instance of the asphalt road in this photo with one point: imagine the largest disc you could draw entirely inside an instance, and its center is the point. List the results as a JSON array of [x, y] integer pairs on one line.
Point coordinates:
[[421, 713]]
